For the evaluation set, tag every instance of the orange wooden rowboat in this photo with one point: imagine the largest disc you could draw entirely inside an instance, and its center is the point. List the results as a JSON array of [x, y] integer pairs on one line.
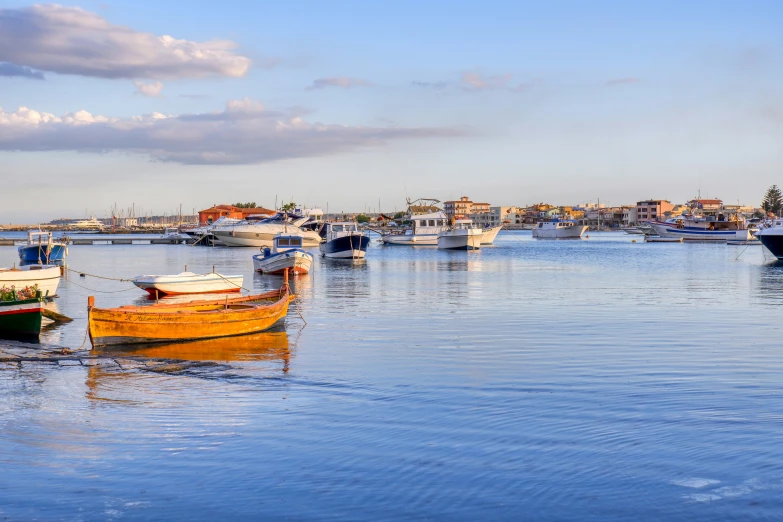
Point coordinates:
[[186, 321]]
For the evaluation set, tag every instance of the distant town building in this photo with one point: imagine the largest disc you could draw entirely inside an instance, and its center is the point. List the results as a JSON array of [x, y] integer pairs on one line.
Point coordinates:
[[464, 207], [652, 209], [707, 206], [212, 214]]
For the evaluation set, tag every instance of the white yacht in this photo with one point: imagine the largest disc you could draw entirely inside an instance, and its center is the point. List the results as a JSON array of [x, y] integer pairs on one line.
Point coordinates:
[[462, 236], [86, 224], [262, 233], [710, 228], [559, 229], [771, 236], [203, 234]]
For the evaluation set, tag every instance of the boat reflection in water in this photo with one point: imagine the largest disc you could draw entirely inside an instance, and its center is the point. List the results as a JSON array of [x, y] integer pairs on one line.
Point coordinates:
[[271, 345]]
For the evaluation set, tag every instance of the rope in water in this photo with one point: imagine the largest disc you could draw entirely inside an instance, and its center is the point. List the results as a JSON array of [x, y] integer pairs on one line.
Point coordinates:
[[99, 277]]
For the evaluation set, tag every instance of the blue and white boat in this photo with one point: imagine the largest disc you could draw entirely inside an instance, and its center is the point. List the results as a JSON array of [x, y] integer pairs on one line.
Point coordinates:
[[343, 240], [42, 248], [286, 254], [710, 228]]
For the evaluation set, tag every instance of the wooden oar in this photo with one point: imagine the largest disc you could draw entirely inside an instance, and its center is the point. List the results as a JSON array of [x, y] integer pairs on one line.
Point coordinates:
[[54, 316]]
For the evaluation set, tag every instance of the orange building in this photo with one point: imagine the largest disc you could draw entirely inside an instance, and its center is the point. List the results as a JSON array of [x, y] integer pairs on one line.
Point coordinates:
[[210, 215]]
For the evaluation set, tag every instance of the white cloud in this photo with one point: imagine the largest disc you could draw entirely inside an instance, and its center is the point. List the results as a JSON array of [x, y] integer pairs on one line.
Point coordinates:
[[70, 40], [243, 133], [476, 82], [338, 81], [151, 90]]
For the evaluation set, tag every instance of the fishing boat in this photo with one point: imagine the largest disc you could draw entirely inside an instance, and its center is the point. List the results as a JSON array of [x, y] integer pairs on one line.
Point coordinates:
[[424, 230], [43, 248], [710, 228], [463, 235], [489, 235], [166, 323], [20, 317], [343, 240], [559, 229], [261, 233], [188, 283], [47, 277], [286, 254]]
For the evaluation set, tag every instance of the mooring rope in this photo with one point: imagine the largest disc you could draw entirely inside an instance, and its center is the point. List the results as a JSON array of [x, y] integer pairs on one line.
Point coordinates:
[[99, 277]]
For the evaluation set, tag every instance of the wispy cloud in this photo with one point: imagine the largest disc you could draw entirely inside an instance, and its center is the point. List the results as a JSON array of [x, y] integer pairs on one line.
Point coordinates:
[[244, 132], [338, 81], [10, 69], [70, 40], [476, 82], [623, 81], [150, 90]]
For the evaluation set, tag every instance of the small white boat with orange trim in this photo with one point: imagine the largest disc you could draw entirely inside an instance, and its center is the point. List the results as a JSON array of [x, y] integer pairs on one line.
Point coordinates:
[[188, 283]]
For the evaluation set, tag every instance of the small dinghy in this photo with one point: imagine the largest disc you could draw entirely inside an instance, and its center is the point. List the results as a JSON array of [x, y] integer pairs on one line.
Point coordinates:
[[188, 283], [286, 254], [165, 323], [46, 277]]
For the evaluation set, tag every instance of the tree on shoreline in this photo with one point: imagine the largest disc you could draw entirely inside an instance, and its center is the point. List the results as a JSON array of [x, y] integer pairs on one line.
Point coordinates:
[[773, 200]]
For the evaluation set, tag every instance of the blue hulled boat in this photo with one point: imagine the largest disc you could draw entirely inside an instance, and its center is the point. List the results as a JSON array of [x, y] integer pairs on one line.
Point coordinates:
[[42, 248], [343, 240]]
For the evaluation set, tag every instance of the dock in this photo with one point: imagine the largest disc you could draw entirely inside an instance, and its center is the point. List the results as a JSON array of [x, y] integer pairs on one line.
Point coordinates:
[[109, 241]]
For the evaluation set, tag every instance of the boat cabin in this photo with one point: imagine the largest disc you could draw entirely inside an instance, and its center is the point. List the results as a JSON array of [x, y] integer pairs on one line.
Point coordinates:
[[555, 224], [463, 224], [429, 223], [282, 243], [337, 229]]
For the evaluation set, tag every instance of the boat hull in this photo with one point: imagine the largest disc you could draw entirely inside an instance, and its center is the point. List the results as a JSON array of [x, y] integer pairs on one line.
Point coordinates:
[[297, 261], [574, 232], [46, 277], [181, 323], [41, 253], [411, 239], [450, 241], [21, 319], [346, 247], [196, 284], [489, 235], [773, 243], [700, 234]]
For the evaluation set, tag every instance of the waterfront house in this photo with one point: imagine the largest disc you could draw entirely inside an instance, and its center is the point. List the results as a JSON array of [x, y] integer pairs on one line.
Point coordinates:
[[652, 209]]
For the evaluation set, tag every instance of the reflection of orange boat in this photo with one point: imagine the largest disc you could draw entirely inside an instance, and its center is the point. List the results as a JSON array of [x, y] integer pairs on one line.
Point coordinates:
[[186, 321], [269, 345]]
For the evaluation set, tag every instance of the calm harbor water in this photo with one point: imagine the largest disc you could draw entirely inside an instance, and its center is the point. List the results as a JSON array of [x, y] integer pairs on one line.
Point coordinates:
[[565, 380]]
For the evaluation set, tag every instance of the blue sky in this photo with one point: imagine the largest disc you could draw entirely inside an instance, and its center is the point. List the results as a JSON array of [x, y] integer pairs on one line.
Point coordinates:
[[511, 103]]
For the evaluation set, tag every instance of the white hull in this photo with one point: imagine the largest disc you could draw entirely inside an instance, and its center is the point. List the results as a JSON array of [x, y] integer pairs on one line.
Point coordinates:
[[297, 261], [456, 241], [411, 239], [693, 234], [241, 237], [489, 235], [46, 277], [345, 254], [574, 232], [189, 283]]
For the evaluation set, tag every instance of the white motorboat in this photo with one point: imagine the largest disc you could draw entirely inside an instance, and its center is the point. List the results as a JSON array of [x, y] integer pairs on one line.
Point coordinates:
[[489, 235], [423, 232], [188, 283], [47, 277], [174, 234], [770, 234], [262, 233], [203, 234], [343, 240], [285, 254], [711, 228], [559, 229], [462, 236]]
